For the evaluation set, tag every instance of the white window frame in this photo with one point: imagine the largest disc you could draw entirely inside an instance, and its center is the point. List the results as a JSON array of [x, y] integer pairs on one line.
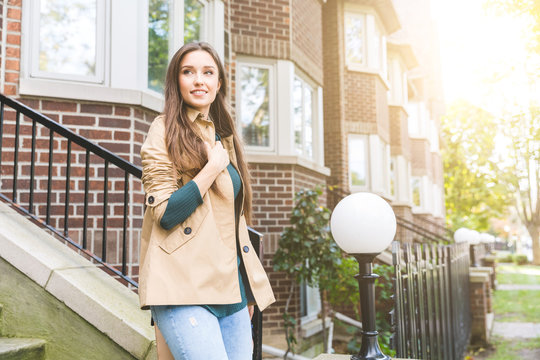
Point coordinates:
[[372, 25], [367, 152], [35, 72], [397, 78], [270, 66], [417, 207], [314, 116], [313, 303], [124, 80]]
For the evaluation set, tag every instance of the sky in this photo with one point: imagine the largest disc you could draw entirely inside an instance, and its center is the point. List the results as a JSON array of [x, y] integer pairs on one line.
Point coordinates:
[[484, 56]]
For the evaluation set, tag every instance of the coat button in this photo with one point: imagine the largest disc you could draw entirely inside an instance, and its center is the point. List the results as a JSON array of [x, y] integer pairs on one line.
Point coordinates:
[[187, 231], [150, 199], [246, 249]]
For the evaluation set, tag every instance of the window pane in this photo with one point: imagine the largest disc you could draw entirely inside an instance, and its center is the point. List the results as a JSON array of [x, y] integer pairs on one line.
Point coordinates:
[[357, 161], [67, 37], [308, 127], [416, 191], [376, 47], [393, 176], [193, 18], [297, 108], [254, 108], [158, 43], [354, 38]]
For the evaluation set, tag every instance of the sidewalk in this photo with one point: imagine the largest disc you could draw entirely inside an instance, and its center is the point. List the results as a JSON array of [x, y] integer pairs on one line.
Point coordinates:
[[513, 334]]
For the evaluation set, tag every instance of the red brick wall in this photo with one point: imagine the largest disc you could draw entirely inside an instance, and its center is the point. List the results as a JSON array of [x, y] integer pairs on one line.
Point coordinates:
[[307, 37], [400, 143], [12, 24], [421, 158], [274, 186], [403, 234], [335, 148], [261, 28]]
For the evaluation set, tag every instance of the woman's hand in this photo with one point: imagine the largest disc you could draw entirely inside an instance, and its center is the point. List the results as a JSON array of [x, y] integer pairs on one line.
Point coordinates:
[[218, 157]]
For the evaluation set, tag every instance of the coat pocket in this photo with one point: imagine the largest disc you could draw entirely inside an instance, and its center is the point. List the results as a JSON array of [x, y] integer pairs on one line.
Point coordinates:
[[185, 231]]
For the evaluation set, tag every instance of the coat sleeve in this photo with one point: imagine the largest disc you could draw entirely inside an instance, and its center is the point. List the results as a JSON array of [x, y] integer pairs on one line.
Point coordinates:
[[158, 176]]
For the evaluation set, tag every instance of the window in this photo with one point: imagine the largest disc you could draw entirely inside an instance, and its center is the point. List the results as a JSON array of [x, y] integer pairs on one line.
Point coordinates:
[[358, 161], [355, 42], [365, 45], [303, 117], [111, 51], [310, 303], [77, 54], [393, 177], [416, 191], [418, 119], [385, 166], [254, 104], [163, 40]]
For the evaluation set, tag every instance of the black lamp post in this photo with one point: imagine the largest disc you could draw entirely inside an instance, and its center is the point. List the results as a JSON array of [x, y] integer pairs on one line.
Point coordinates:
[[363, 225]]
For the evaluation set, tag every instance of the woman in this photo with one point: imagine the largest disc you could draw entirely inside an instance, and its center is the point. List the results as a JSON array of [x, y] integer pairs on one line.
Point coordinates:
[[198, 268]]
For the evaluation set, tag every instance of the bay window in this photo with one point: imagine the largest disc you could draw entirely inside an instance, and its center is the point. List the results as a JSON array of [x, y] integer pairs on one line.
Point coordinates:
[[255, 104], [111, 51], [165, 35], [416, 191], [358, 162], [303, 117], [365, 44], [68, 40], [285, 125]]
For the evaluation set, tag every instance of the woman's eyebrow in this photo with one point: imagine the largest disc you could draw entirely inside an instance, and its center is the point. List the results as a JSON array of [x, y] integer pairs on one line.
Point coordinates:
[[204, 66]]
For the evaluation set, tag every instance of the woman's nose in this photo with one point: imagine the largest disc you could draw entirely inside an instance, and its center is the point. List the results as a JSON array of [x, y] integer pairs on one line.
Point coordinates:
[[198, 78]]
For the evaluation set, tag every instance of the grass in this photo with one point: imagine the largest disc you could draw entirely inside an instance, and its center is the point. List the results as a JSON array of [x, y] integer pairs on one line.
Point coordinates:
[[506, 350], [518, 269], [517, 305], [520, 305]]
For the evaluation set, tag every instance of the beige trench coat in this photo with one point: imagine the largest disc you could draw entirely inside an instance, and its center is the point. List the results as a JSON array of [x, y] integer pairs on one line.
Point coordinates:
[[196, 261]]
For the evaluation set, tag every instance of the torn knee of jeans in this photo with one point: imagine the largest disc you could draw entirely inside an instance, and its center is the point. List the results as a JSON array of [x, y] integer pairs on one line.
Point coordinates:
[[193, 321]]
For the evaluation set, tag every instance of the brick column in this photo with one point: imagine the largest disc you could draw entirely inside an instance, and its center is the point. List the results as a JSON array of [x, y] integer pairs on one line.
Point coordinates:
[[481, 308]]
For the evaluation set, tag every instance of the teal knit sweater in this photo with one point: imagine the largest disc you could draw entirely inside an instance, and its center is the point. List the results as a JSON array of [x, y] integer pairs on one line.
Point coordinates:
[[182, 204]]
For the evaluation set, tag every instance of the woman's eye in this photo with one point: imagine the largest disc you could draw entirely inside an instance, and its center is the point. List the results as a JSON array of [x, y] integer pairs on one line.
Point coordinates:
[[186, 72], [209, 72]]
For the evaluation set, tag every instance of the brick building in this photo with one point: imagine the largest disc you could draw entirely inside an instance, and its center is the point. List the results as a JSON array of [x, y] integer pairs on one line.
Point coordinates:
[[345, 93]]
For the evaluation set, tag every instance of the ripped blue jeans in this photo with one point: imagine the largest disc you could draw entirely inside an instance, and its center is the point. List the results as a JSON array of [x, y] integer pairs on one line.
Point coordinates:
[[194, 333]]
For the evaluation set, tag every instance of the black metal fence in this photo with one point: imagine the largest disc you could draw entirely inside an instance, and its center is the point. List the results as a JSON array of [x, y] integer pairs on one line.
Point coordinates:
[[431, 316]]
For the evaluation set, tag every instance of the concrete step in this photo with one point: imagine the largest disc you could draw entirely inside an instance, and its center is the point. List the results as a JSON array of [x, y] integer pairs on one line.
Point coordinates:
[[22, 349]]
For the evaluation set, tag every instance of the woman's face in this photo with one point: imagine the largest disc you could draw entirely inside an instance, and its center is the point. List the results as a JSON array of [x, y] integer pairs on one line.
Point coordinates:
[[199, 80]]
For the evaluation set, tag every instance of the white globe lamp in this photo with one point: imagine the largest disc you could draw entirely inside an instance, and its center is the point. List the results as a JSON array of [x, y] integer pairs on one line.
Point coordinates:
[[364, 225], [461, 235]]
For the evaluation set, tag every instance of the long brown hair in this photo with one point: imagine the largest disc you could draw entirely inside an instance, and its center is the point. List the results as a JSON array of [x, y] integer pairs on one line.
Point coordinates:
[[185, 146]]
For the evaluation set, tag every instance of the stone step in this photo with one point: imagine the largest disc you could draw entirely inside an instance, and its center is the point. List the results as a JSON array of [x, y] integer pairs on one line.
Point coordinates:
[[22, 349]]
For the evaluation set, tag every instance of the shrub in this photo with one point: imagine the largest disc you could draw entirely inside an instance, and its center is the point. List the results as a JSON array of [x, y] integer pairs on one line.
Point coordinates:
[[504, 257], [520, 259]]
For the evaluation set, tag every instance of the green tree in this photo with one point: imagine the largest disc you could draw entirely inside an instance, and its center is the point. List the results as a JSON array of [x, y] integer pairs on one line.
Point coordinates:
[[307, 253], [521, 174], [473, 193], [521, 8]]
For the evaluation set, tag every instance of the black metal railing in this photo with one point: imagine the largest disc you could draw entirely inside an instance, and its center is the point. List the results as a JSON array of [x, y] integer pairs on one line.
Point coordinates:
[[441, 228], [97, 161], [58, 155], [431, 316], [419, 233]]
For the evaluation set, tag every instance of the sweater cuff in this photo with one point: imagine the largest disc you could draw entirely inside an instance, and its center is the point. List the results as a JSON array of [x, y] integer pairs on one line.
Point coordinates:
[[182, 203]]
